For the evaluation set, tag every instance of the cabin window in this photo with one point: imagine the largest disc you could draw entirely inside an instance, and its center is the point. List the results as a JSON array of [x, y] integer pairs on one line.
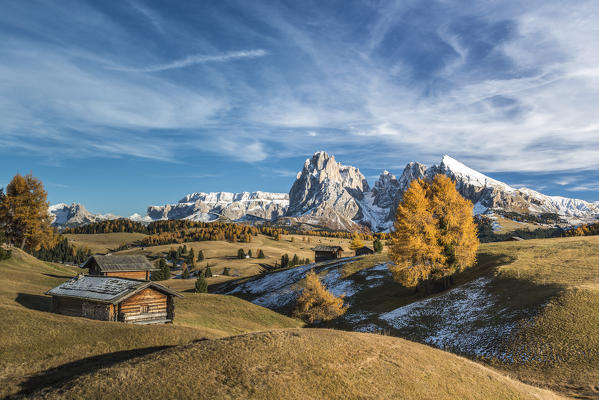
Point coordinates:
[[144, 309]]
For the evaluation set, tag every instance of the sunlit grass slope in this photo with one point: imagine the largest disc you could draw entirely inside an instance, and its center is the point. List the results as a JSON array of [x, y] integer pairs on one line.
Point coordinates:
[[33, 340], [559, 347], [299, 364]]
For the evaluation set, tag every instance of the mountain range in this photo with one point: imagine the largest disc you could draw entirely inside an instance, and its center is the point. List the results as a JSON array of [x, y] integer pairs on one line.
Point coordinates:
[[327, 193]]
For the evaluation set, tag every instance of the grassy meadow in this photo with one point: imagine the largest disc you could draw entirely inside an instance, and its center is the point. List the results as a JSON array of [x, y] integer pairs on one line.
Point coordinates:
[[103, 242], [299, 364], [221, 254], [557, 347], [39, 347]]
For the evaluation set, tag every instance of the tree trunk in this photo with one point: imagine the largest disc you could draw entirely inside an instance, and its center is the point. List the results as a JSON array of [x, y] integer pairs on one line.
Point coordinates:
[[22, 243]]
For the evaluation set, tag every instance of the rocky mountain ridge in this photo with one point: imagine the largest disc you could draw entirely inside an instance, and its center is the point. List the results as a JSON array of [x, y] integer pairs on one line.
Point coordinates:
[[205, 207], [327, 193], [70, 216]]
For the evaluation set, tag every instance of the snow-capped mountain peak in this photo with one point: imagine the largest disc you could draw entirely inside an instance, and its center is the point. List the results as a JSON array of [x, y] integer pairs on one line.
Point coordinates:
[[338, 196], [455, 169], [75, 215]]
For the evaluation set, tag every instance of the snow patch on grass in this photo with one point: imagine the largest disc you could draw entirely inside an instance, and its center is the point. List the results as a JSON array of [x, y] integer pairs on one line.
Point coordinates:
[[464, 319]]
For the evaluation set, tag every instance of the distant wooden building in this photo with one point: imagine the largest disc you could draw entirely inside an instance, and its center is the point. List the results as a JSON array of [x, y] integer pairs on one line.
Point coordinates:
[[364, 251], [323, 253], [114, 299], [123, 266]]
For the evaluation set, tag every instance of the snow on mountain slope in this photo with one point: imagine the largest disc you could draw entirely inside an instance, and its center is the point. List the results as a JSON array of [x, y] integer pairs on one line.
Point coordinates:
[[207, 207], [327, 193], [491, 194], [338, 196], [472, 319], [65, 216]]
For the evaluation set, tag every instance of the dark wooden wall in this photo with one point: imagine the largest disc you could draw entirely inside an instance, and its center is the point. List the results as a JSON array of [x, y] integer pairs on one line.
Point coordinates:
[[67, 306], [83, 308], [326, 255]]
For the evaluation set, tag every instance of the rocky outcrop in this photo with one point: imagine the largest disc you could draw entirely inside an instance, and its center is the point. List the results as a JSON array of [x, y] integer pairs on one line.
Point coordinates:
[[327, 193], [489, 195], [207, 207], [70, 216]]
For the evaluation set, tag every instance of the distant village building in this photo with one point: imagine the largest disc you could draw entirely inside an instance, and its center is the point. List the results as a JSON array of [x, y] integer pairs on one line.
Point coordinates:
[[114, 299], [364, 251], [323, 253], [123, 266]]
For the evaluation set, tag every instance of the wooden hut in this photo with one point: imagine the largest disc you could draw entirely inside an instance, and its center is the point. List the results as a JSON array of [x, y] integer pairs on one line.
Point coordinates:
[[122, 266], [114, 299], [365, 250], [323, 253]]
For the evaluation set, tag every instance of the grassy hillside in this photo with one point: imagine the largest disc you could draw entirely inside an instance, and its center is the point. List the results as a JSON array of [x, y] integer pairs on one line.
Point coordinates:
[[530, 308], [299, 364], [559, 346], [103, 242], [33, 340], [221, 254]]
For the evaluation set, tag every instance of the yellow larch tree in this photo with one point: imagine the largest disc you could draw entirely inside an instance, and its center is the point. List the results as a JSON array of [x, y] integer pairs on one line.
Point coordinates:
[[456, 225], [316, 303], [435, 234], [415, 247], [356, 242]]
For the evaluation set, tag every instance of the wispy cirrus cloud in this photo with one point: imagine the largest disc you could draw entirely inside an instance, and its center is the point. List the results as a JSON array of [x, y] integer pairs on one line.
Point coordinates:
[[194, 60], [502, 86]]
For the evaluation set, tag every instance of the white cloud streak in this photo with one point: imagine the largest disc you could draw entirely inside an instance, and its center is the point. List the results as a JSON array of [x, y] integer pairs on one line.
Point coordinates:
[[195, 60]]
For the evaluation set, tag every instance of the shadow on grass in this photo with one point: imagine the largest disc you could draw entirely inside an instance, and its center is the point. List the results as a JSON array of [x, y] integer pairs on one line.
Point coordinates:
[[34, 301], [63, 374], [61, 276]]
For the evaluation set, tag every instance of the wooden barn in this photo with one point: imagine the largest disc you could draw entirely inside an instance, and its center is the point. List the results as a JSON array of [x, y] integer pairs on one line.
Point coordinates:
[[108, 298], [365, 250], [122, 266], [323, 253]]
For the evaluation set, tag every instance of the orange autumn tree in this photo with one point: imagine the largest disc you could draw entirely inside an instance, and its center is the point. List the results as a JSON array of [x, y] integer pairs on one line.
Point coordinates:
[[435, 234], [316, 303], [356, 242], [24, 213]]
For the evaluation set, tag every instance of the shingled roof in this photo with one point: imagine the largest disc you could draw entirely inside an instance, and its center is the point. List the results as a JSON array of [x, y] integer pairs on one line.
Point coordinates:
[[104, 289], [327, 248], [112, 263]]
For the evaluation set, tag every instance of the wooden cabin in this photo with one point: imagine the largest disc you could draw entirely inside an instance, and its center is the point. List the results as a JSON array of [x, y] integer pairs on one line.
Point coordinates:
[[108, 298], [323, 253], [122, 266], [365, 250]]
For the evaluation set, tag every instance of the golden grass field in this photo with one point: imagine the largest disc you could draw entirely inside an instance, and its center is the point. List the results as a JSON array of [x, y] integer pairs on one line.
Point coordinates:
[[299, 364], [103, 242], [78, 358], [559, 347], [33, 340], [221, 254]]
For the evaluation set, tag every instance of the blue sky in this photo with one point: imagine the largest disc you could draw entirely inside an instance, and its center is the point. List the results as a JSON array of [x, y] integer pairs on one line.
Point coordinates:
[[123, 104]]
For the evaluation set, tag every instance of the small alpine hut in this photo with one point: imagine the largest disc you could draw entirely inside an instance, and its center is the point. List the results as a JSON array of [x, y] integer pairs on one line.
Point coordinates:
[[122, 266], [323, 253], [364, 250], [114, 299]]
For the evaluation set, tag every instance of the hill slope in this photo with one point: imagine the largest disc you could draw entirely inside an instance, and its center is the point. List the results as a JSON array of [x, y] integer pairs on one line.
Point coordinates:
[[299, 364], [531, 308], [36, 341]]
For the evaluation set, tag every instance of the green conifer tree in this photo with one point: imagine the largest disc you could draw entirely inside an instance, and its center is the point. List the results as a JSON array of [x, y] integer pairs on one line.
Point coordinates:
[[201, 285]]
